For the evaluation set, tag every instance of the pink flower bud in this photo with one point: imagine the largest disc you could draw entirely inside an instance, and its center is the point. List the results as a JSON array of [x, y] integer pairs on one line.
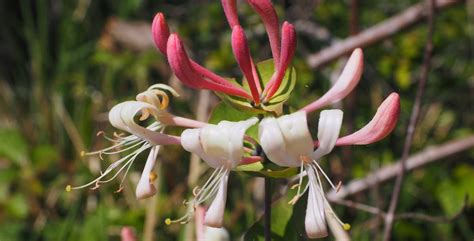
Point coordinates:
[[230, 10], [127, 234], [379, 127], [344, 85], [160, 32], [183, 68], [265, 9], [288, 46], [242, 55]]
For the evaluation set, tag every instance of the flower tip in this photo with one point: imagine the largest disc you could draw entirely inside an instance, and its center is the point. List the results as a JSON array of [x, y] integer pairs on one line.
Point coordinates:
[[168, 221], [346, 227], [83, 153], [160, 32], [68, 188]]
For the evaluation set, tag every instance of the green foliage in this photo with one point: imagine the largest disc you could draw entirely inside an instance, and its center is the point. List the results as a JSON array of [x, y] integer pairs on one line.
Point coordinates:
[[53, 55]]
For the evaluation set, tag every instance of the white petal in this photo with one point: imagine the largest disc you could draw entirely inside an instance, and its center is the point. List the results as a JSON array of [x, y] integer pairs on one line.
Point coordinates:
[[330, 122], [297, 136], [216, 234], [191, 141], [222, 144], [235, 133], [215, 213], [215, 143], [315, 220], [122, 116], [273, 143], [144, 187]]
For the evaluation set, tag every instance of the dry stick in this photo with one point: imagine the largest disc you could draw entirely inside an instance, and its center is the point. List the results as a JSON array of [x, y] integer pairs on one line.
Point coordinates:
[[376, 33], [411, 215], [422, 158], [389, 218]]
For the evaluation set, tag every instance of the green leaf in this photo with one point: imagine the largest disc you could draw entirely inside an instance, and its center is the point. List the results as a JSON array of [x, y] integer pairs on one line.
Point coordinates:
[[287, 221], [268, 169], [16, 148], [223, 111]]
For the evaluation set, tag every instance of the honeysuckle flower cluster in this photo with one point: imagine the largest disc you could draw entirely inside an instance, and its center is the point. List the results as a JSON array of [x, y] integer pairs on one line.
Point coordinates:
[[284, 138]]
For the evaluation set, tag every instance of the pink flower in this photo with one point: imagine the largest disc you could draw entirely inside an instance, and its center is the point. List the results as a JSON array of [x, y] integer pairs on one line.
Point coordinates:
[[196, 76], [286, 141]]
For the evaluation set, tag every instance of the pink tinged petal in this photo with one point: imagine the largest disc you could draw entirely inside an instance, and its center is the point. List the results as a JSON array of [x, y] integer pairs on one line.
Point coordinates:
[[329, 126], [185, 122], [127, 234], [215, 213], [250, 160], [315, 219], [380, 126], [145, 187], [184, 70], [199, 222], [230, 10], [122, 116], [288, 46], [344, 85], [265, 9], [242, 55], [160, 32]]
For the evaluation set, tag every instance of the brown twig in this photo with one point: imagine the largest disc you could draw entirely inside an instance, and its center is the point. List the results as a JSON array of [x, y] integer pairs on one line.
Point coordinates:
[[389, 218], [376, 33], [410, 215], [422, 158]]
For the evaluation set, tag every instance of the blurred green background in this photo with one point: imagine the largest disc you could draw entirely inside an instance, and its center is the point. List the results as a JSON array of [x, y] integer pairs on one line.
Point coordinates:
[[64, 64]]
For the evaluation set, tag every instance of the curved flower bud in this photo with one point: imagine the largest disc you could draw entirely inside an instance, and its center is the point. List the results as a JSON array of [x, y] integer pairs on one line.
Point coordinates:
[[288, 46], [122, 116], [160, 32], [384, 121], [242, 55], [265, 9], [286, 139], [145, 187], [329, 126], [344, 85], [230, 10], [184, 70]]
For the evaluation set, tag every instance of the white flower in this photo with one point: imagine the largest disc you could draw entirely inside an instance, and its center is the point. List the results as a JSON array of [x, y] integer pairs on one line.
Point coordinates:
[[151, 102], [221, 147], [287, 142]]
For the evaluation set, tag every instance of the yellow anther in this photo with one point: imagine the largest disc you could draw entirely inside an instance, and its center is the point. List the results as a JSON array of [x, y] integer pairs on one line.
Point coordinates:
[[346, 227], [152, 176], [168, 221], [68, 188], [83, 153]]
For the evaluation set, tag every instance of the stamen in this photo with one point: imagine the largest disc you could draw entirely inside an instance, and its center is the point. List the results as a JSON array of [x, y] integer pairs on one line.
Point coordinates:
[[324, 174]]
